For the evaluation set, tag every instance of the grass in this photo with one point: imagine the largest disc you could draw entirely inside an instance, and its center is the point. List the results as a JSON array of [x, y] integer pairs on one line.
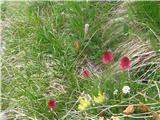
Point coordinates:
[[40, 61]]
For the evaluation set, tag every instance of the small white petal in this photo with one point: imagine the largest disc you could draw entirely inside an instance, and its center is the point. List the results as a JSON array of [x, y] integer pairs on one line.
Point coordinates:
[[126, 89], [115, 92]]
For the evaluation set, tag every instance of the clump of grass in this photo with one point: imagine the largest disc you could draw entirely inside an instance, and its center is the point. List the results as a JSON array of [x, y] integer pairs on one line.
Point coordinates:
[[41, 63], [147, 15]]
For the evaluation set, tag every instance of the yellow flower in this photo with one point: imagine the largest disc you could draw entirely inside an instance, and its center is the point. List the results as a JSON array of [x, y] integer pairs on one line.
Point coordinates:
[[100, 98], [83, 103]]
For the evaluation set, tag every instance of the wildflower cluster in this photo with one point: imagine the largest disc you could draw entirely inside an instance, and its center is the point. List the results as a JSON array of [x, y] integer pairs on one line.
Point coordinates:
[[86, 100], [107, 57]]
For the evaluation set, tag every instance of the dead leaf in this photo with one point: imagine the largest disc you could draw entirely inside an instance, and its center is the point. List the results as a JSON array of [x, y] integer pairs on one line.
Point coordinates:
[[155, 115], [143, 107], [130, 109], [102, 118], [76, 44], [115, 118]]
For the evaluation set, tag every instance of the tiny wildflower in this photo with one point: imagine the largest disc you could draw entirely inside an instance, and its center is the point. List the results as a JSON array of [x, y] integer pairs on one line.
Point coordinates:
[[83, 103], [124, 63], [100, 98], [85, 73], [51, 104], [125, 89], [115, 92], [107, 57]]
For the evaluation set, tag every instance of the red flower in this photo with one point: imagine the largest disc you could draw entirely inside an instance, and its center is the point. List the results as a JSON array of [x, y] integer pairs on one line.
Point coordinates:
[[51, 104], [85, 73], [107, 57], [124, 63]]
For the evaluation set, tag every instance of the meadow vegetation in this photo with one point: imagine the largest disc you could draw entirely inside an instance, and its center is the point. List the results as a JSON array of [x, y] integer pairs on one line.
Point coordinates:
[[54, 50]]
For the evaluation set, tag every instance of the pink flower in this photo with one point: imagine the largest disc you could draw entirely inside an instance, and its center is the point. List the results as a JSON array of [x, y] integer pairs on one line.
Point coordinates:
[[107, 57], [51, 104], [124, 63], [85, 73]]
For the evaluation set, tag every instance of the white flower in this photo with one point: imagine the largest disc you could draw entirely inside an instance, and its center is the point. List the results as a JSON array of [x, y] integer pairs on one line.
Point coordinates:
[[115, 92], [126, 89], [3, 116]]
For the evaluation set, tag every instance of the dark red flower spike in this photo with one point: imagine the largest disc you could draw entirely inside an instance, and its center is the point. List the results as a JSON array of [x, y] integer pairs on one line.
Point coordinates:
[[107, 57], [85, 73], [51, 104], [124, 63]]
